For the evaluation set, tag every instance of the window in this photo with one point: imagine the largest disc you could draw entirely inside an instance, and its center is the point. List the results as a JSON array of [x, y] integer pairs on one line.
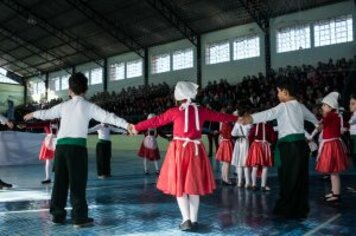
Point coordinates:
[[333, 31], [183, 59], [65, 82], [4, 78], [246, 47], [87, 74], [40, 88], [218, 52], [57, 83], [161, 63], [117, 71], [293, 38], [96, 76], [134, 69]]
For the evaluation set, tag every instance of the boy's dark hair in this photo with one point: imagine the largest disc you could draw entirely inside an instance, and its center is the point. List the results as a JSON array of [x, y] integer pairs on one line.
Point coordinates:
[[78, 83], [353, 96], [243, 110], [290, 85]]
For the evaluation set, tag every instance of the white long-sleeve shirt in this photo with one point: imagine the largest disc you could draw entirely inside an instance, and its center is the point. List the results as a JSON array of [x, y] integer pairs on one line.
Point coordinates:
[[3, 120], [290, 117], [352, 123], [104, 131], [75, 115]]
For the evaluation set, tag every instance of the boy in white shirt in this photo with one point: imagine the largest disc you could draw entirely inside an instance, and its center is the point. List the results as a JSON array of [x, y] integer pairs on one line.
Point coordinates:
[[71, 167], [291, 155]]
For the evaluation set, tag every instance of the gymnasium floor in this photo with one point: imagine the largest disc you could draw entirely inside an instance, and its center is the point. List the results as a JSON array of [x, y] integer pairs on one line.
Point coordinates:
[[129, 204]]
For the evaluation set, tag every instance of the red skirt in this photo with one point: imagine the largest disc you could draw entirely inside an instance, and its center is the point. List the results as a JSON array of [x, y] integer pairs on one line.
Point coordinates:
[[332, 157], [183, 172], [45, 153], [148, 153], [224, 152], [259, 154]]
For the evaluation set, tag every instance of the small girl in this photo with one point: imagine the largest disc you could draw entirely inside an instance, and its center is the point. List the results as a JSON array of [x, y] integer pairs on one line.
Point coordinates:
[[332, 156], [261, 137], [48, 145], [186, 172], [224, 152], [240, 152], [149, 148]]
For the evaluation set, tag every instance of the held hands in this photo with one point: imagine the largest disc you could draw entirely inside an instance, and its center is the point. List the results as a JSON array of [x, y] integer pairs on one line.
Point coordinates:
[[28, 116], [245, 120], [131, 129]]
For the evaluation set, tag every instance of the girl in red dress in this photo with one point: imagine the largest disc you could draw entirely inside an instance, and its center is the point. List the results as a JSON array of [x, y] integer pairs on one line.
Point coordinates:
[[224, 152], [149, 148], [259, 156], [48, 145], [332, 156], [186, 172]]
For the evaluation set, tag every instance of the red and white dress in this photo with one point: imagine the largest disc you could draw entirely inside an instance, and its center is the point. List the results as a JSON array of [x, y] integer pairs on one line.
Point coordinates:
[[149, 147], [49, 143], [226, 146], [261, 137], [332, 156], [186, 168]]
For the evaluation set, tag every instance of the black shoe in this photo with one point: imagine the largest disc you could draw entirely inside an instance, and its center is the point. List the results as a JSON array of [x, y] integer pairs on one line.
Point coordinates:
[[58, 220], [4, 185], [147, 173], [265, 189], [186, 225], [253, 188], [47, 181], [226, 183], [334, 200], [325, 197], [235, 174], [195, 226], [83, 223]]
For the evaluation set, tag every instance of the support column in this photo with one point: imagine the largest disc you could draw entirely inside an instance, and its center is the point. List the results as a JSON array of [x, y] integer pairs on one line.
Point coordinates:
[[146, 67], [25, 93], [199, 61], [46, 85], [105, 75], [267, 48]]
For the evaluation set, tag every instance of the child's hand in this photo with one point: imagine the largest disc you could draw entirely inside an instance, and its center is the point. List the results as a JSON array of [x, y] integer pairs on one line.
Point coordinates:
[[21, 126], [245, 120], [28, 116], [10, 124]]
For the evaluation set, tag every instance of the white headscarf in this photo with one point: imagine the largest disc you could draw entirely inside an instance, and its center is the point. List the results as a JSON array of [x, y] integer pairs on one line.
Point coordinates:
[[331, 100], [187, 91]]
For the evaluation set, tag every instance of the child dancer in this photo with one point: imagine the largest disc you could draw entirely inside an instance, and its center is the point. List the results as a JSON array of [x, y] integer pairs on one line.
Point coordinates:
[[224, 152], [48, 145], [186, 172], [103, 148], [292, 155], [240, 152], [149, 148], [332, 156], [261, 137], [5, 121], [71, 168], [352, 123]]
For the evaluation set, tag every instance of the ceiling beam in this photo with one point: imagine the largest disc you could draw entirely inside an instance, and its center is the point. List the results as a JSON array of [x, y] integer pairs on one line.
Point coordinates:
[[18, 66], [259, 16], [73, 41], [110, 27], [48, 56], [174, 19]]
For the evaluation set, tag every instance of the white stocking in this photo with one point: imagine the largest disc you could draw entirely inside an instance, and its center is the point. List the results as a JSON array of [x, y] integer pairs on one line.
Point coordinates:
[[194, 207], [254, 176], [264, 176], [156, 165], [239, 175], [183, 204], [48, 169], [247, 176], [145, 164]]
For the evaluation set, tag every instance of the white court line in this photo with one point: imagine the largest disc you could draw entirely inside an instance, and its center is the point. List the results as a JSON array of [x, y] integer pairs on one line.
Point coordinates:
[[311, 232]]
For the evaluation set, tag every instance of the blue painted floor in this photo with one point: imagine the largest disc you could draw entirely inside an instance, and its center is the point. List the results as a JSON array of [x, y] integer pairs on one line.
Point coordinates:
[[129, 204]]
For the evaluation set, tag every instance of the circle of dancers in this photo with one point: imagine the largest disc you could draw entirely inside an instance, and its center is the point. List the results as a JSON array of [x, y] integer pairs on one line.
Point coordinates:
[[246, 141]]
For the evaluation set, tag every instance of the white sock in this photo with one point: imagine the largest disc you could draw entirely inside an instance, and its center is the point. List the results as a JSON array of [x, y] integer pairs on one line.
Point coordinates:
[[254, 176], [48, 169], [156, 165], [194, 207], [183, 204], [247, 176], [264, 176], [145, 164], [239, 175]]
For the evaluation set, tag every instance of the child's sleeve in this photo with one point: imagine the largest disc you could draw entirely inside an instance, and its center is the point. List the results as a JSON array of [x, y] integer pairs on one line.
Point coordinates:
[[157, 121], [3, 120], [106, 117], [218, 116], [117, 130], [267, 115], [94, 128], [50, 114], [309, 116]]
